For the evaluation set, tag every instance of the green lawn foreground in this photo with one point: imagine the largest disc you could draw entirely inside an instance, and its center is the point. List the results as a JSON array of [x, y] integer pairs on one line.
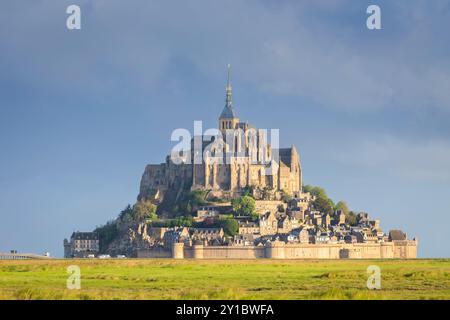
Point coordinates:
[[220, 279]]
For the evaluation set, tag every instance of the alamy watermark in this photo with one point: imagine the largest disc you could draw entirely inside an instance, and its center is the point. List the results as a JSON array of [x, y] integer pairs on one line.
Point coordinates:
[[74, 279], [73, 21], [374, 279], [226, 146], [373, 22]]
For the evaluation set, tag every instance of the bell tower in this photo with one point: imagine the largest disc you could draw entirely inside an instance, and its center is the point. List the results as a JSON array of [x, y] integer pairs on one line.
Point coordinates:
[[228, 118]]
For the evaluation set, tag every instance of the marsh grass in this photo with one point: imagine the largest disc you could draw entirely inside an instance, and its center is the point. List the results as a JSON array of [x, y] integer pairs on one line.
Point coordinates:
[[219, 279]]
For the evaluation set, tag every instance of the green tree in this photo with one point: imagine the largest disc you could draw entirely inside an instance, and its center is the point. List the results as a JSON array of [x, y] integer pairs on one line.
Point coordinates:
[[350, 218], [144, 210], [230, 226], [323, 205], [248, 191], [244, 206], [189, 201], [342, 206], [319, 192], [183, 221], [126, 215], [331, 204], [106, 234], [197, 198]]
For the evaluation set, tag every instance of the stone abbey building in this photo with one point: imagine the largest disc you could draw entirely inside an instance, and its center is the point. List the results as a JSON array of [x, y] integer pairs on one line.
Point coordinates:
[[247, 161]]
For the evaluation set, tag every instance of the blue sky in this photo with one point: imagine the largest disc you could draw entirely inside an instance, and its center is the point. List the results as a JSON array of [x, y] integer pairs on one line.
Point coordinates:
[[82, 112]]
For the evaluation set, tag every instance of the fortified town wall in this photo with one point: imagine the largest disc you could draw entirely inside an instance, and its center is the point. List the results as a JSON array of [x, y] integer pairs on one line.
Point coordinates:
[[279, 250]]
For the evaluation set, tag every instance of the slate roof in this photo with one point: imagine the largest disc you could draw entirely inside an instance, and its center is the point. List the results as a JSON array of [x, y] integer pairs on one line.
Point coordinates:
[[84, 236], [248, 224], [285, 156], [228, 112]]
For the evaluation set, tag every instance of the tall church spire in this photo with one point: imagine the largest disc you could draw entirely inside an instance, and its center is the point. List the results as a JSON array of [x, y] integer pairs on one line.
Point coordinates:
[[228, 110]]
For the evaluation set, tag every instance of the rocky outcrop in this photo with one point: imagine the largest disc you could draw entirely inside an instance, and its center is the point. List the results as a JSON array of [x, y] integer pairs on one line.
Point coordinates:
[[131, 237]]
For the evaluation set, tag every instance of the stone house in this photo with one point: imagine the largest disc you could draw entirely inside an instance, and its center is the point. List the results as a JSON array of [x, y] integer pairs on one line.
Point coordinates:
[[371, 236], [206, 234], [359, 235], [245, 239], [175, 235], [322, 237], [206, 212], [326, 221], [297, 214], [302, 234], [81, 245], [349, 238], [375, 224], [268, 224], [317, 221], [248, 227], [363, 218], [302, 201], [284, 225], [339, 217]]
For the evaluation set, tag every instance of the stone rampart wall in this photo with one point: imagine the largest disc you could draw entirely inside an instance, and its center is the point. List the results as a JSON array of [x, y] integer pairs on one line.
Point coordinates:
[[281, 250]]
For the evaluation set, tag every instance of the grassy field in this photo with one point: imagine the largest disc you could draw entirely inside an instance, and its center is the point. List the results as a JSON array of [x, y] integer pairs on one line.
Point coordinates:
[[241, 279]]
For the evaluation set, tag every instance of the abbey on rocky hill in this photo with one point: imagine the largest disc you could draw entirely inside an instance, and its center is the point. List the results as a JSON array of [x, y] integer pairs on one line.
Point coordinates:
[[249, 162], [229, 194]]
